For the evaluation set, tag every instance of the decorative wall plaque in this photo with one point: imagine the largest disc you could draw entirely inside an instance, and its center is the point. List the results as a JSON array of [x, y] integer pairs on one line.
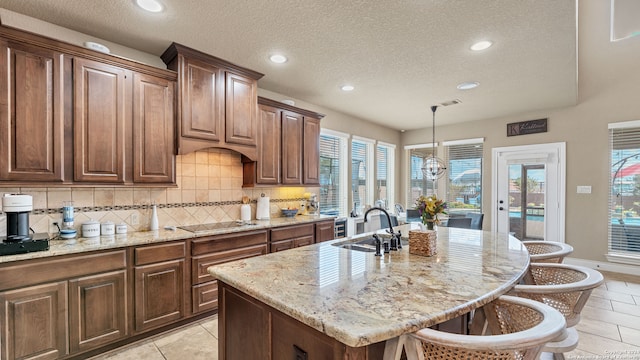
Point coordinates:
[[527, 127]]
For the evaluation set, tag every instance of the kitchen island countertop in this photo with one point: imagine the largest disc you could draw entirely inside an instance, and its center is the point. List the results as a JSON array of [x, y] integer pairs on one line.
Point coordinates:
[[359, 299]]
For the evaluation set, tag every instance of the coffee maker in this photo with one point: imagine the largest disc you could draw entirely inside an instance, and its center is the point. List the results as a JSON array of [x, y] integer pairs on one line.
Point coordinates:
[[19, 240]]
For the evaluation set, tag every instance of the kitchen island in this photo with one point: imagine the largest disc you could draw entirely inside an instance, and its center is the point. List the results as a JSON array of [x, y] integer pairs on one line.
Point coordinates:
[[331, 302]]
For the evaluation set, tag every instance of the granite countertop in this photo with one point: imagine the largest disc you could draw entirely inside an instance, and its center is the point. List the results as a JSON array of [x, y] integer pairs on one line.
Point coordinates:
[[79, 245], [360, 299]]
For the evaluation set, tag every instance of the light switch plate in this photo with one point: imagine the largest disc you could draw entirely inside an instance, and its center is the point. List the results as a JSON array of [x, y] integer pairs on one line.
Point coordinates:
[[584, 189]]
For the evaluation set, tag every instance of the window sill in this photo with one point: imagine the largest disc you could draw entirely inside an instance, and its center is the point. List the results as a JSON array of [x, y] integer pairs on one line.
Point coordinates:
[[623, 258]]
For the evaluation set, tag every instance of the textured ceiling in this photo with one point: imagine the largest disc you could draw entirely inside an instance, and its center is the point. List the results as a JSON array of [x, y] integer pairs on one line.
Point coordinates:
[[401, 55]]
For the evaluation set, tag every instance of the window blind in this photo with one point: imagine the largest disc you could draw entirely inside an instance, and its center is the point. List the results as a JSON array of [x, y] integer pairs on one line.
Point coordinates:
[[464, 178], [624, 191], [331, 184], [384, 177], [359, 184]]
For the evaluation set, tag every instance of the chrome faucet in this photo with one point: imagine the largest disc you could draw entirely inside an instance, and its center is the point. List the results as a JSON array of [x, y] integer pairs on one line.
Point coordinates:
[[395, 237]]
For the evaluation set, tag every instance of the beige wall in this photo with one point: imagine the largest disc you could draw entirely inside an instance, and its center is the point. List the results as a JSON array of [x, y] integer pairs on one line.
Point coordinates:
[[608, 92]]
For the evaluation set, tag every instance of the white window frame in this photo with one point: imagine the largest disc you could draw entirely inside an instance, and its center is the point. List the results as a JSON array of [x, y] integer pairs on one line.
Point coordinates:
[[407, 149], [370, 163], [391, 163], [612, 256]]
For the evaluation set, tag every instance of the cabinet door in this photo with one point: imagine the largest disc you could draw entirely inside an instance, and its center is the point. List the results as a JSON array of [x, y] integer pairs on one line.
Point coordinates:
[[31, 113], [34, 322], [102, 115], [97, 310], [202, 99], [324, 231], [281, 245], [241, 110], [303, 241], [311, 151], [291, 148], [153, 124], [159, 294], [269, 136]]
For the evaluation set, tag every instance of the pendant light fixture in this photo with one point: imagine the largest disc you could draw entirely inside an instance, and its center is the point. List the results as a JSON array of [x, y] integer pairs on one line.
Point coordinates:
[[433, 167]]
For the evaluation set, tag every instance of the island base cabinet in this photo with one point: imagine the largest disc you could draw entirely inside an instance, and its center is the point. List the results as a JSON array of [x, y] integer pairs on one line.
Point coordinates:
[[34, 322], [98, 311], [243, 326], [250, 329]]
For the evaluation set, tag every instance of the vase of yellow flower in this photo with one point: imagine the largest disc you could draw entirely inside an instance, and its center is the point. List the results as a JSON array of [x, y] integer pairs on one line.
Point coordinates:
[[429, 207]]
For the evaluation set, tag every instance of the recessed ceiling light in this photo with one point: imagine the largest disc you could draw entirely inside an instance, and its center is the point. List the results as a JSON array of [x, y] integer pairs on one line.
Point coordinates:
[[150, 5], [481, 45], [347, 88], [468, 85], [278, 58]]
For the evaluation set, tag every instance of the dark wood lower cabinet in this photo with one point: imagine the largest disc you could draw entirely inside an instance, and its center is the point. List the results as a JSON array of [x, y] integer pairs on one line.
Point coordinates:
[[97, 310], [34, 322], [75, 306], [250, 329], [159, 294]]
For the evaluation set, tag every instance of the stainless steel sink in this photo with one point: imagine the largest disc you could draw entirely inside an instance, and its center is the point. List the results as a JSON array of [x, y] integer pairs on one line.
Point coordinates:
[[357, 247], [366, 245]]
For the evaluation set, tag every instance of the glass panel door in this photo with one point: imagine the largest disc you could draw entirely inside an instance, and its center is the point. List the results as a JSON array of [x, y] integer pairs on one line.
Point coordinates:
[[527, 201]]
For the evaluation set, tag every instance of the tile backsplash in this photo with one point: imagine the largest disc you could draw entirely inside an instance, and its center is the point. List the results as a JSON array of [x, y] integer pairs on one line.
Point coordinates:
[[209, 190]]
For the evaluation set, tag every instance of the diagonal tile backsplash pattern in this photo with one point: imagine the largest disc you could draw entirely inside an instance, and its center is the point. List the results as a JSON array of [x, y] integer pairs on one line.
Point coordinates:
[[209, 189]]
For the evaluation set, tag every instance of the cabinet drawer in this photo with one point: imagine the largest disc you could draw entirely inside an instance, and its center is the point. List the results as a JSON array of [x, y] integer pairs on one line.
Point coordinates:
[[50, 269], [157, 253], [291, 232], [205, 296], [200, 264], [212, 244]]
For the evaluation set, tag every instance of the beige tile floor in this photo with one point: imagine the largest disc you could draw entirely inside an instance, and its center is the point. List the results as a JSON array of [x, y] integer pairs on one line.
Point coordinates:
[[609, 329]]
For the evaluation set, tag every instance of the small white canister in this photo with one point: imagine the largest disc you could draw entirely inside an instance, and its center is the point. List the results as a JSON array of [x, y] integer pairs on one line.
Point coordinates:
[[90, 229], [121, 228], [107, 228]]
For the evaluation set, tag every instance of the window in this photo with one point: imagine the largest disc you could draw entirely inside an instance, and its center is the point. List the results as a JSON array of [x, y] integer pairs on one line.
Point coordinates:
[[333, 173], [418, 183], [385, 155], [361, 173], [464, 176], [624, 192]]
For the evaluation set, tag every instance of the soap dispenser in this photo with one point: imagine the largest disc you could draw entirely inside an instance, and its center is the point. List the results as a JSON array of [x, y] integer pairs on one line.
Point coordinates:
[[154, 218]]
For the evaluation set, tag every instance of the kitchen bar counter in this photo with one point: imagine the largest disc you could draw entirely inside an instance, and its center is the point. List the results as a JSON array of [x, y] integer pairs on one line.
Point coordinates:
[[359, 299], [80, 245]]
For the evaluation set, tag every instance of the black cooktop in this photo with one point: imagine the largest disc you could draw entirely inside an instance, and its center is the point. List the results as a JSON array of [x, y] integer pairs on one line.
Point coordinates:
[[215, 226], [21, 245]]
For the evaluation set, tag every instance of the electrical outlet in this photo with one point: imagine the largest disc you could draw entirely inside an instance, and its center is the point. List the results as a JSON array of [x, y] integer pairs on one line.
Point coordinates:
[[135, 219], [53, 229]]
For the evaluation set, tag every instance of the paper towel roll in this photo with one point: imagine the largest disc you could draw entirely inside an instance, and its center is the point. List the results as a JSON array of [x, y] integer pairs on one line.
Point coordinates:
[[245, 212], [262, 210]]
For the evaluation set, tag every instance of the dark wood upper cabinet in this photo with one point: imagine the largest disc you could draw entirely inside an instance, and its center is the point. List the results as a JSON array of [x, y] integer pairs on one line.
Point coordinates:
[[100, 121], [153, 129], [291, 148], [241, 108], [288, 146], [269, 144], [217, 102], [31, 113], [311, 151], [201, 100], [72, 115]]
